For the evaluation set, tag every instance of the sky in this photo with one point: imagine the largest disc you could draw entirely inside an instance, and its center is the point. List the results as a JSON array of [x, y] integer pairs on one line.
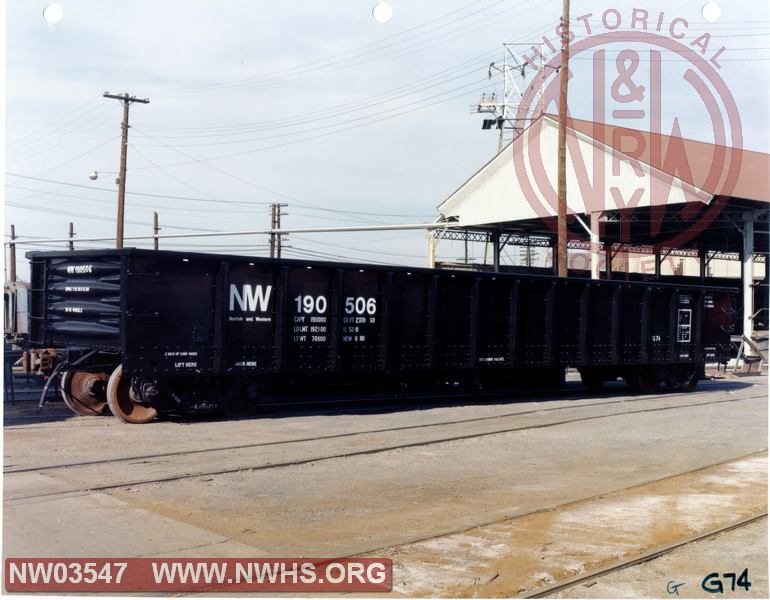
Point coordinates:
[[347, 120]]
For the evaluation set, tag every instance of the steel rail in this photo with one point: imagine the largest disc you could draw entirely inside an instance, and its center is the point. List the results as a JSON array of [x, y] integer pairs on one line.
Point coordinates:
[[366, 404], [553, 507], [355, 453], [381, 430], [647, 556]]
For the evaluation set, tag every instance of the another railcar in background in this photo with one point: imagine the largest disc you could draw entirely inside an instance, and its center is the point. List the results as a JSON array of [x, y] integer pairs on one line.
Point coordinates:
[[143, 331]]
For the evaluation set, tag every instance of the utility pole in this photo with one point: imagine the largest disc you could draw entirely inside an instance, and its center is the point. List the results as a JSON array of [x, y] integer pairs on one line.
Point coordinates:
[[127, 101], [71, 235], [155, 230], [275, 223], [273, 212], [561, 247], [12, 255]]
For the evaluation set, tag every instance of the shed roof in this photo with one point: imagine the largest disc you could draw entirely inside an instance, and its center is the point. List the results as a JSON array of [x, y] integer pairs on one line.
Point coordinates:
[[495, 194], [753, 176]]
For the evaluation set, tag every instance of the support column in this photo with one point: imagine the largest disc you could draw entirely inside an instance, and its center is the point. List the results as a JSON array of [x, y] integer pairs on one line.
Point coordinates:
[[12, 255], [595, 245], [658, 264], [747, 273], [431, 250], [496, 251], [702, 264], [608, 254]]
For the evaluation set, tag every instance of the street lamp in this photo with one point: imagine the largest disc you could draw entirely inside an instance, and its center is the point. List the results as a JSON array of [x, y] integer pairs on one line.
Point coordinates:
[[94, 175]]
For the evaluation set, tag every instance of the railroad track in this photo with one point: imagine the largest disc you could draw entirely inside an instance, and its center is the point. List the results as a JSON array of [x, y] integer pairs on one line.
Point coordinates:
[[556, 507], [367, 404], [646, 556], [609, 402], [85, 488], [352, 405], [349, 405]]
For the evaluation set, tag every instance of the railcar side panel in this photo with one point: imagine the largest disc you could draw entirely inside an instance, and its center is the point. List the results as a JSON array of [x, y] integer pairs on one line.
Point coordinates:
[[631, 305], [360, 304], [572, 303], [76, 303], [409, 320], [534, 319], [168, 314], [250, 317], [600, 325], [496, 329], [310, 309], [455, 316]]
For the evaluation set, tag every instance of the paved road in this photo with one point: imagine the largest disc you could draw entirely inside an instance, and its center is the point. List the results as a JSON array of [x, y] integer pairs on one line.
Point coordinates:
[[352, 481]]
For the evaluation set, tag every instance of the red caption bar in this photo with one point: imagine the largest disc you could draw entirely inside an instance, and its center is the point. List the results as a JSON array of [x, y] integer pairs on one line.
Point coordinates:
[[198, 575]]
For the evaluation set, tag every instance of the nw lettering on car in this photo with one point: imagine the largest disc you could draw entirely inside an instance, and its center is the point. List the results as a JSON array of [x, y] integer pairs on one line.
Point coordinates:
[[251, 298]]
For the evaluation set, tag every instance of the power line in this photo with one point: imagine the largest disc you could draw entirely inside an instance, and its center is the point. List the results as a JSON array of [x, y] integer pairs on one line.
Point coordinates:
[[93, 217], [48, 129], [88, 187], [343, 109], [283, 134], [164, 196], [317, 64], [171, 175], [332, 110], [53, 140], [355, 249], [87, 152], [304, 203], [342, 130], [331, 125]]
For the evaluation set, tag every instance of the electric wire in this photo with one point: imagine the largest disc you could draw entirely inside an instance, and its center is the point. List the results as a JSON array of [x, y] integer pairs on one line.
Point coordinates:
[[317, 64]]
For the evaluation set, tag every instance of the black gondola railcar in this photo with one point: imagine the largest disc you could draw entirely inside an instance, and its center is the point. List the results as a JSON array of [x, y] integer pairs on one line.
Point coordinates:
[[144, 331]]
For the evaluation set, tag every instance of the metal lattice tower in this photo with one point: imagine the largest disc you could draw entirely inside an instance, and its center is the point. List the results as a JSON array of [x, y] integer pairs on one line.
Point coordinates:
[[513, 73]]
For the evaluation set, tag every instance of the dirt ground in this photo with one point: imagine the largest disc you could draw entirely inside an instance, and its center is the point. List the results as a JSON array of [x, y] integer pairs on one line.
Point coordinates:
[[685, 570], [356, 480]]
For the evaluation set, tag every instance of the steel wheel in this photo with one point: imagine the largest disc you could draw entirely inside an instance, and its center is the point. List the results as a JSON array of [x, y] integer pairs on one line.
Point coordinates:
[[646, 379], [592, 379], [682, 378], [123, 403], [84, 393]]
